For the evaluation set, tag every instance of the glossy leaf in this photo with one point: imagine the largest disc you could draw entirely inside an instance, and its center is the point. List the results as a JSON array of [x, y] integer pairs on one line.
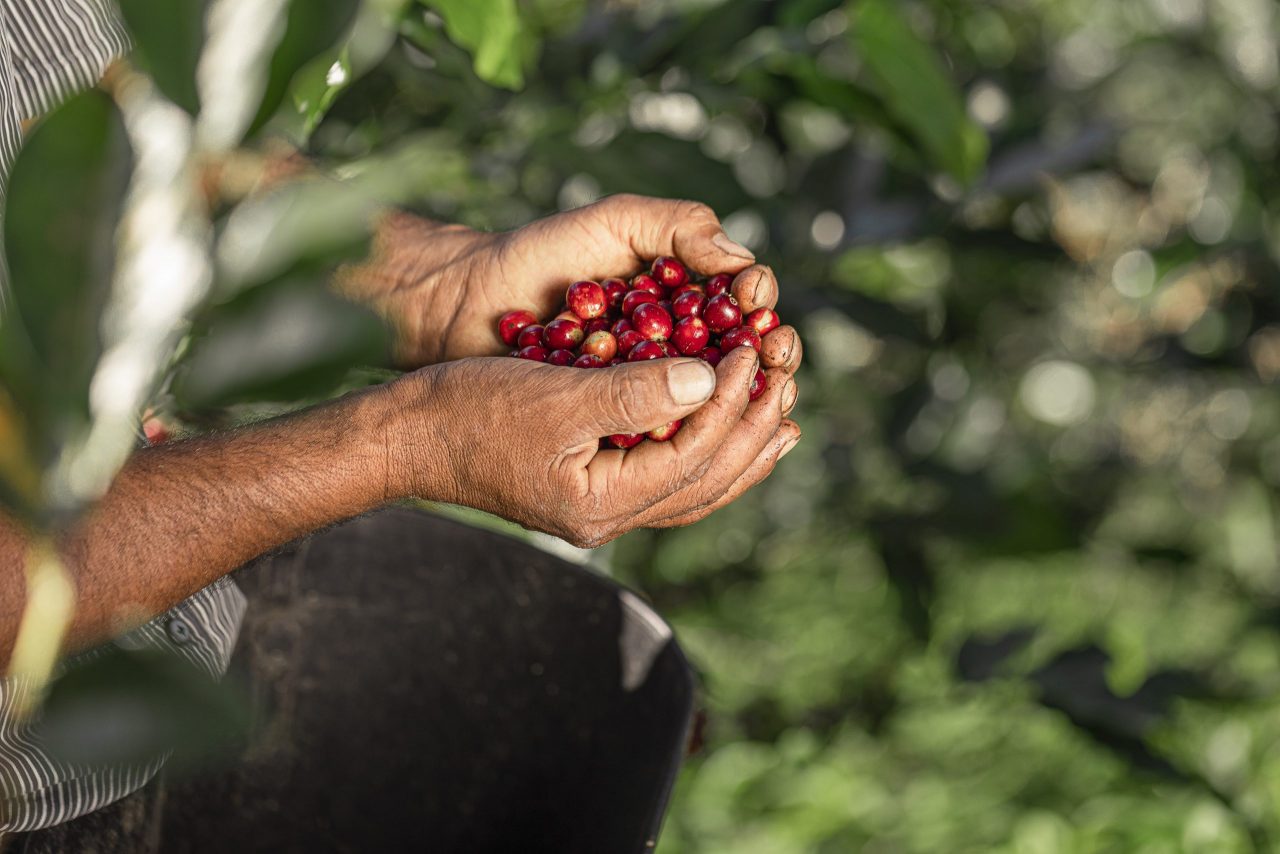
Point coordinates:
[[64, 202], [312, 26], [168, 36], [491, 30], [908, 76]]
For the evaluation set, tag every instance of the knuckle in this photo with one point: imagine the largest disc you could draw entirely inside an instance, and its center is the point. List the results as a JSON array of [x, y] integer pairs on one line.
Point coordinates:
[[626, 396], [691, 210]]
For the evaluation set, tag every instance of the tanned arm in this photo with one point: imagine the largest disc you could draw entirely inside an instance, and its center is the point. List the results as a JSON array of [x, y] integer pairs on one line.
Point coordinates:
[[181, 515]]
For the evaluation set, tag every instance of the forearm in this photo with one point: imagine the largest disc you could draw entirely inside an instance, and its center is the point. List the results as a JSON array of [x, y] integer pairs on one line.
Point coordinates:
[[180, 516]]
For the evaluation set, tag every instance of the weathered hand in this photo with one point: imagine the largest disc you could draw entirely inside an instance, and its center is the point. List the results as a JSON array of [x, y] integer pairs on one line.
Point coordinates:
[[521, 440], [444, 287]]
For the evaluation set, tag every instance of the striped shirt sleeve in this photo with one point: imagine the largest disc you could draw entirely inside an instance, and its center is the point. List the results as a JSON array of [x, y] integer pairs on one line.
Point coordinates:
[[50, 49], [42, 33]]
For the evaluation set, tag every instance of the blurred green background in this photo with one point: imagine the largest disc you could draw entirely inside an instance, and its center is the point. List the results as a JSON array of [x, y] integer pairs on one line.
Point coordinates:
[[1017, 589]]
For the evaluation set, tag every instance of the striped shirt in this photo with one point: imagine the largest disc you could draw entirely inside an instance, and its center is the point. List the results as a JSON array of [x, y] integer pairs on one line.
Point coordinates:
[[48, 50]]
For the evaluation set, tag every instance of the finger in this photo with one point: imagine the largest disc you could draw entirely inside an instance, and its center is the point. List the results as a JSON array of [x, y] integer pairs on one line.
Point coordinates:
[[755, 287], [653, 470], [786, 437], [782, 348], [749, 437], [638, 397], [690, 231]]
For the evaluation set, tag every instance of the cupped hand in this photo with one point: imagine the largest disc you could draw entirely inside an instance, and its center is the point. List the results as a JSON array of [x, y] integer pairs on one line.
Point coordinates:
[[444, 287], [521, 440]]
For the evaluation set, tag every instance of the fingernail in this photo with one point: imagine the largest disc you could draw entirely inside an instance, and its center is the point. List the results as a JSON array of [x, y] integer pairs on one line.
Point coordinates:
[[758, 295], [786, 449], [724, 244], [691, 381], [789, 393]]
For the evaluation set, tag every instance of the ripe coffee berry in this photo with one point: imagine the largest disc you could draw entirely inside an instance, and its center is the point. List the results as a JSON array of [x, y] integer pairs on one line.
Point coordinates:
[[569, 316], [614, 290], [636, 298], [586, 299], [601, 345], [665, 432], [533, 353], [643, 282], [628, 340], [688, 304], [722, 313], [665, 312], [652, 321], [670, 272], [740, 336], [529, 336], [690, 336], [646, 350], [762, 320], [510, 324], [625, 440], [718, 285], [563, 334]]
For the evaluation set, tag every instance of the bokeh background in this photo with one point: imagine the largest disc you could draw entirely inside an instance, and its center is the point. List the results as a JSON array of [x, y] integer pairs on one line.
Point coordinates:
[[1018, 588]]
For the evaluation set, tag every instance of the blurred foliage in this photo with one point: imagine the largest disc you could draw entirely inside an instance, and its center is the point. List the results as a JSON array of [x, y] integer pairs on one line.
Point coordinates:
[[1019, 587]]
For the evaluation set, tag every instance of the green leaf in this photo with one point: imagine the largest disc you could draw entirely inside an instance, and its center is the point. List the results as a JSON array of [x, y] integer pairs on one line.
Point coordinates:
[[492, 32], [118, 706], [312, 26], [167, 37], [909, 77], [280, 342], [65, 198], [318, 85]]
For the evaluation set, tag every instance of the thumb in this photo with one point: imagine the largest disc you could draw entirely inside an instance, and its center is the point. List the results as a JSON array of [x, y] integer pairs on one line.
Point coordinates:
[[690, 231], [642, 396]]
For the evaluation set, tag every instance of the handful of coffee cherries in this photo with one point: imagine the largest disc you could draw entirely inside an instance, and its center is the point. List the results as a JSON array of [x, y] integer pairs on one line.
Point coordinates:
[[665, 313]]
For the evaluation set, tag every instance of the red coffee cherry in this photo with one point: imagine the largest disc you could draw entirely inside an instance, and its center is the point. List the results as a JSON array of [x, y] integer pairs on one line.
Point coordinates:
[[601, 345], [643, 282], [586, 299], [738, 337], [588, 360], [529, 336], [762, 320], [670, 272], [711, 355], [625, 441], [533, 353], [688, 304], [627, 342], [665, 432], [652, 322], [510, 324], [637, 298], [563, 335], [758, 385], [722, 313], [719, 284], [614, 290], [690, 336], [646, 350], [560, 357]]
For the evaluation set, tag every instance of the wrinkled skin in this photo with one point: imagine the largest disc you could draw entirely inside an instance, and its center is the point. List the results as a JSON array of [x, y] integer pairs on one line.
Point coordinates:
[[519, 439]]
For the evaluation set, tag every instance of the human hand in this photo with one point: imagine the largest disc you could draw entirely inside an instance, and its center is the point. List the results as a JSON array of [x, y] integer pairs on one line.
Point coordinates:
[[521, 440], [444, 287]]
